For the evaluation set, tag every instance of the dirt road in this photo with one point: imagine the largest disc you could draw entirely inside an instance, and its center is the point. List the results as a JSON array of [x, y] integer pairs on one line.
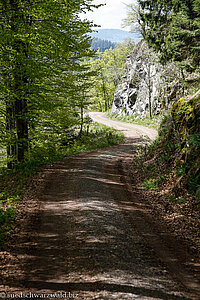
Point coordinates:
[[130, 130], [92, 236]]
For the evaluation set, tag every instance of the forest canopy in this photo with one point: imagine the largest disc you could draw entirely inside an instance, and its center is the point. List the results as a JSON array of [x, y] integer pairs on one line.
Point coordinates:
[[171, 28], [43, 45]]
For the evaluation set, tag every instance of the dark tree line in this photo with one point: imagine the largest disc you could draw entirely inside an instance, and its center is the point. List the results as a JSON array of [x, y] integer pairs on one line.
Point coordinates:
[[102, 45]]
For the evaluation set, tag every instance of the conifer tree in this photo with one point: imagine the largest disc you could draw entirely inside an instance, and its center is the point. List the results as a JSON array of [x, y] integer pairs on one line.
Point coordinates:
[[172, 28]]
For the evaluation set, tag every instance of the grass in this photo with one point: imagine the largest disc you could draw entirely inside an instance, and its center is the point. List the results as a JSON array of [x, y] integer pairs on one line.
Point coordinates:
[[13, 182], [151, 123], [100, 136]]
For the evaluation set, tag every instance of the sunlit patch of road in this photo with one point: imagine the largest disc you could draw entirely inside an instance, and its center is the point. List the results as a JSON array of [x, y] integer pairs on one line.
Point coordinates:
[[130, 130]]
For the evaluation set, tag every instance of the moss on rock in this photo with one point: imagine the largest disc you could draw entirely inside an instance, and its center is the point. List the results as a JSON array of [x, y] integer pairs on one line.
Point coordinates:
[[179, 143], [186, 116]]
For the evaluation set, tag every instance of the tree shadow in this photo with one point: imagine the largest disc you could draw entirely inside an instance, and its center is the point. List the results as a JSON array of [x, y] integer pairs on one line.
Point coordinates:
[[86, 230]]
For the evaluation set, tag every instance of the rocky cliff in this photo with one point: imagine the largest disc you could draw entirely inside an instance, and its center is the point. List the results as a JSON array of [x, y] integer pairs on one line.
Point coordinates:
[[140, 89]]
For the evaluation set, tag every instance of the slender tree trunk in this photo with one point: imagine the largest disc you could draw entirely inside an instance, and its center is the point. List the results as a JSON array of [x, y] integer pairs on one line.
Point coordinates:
[[22, 128], [104, 92], [10, 129], [20, 105], [100, 106], [82, 120]]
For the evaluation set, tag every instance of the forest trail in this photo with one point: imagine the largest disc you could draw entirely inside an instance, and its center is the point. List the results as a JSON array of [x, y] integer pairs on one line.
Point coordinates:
[[129, 130], [92, 236]]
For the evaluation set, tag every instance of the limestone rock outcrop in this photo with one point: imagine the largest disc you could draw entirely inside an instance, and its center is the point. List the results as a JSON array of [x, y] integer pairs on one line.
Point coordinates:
[[139, 90]]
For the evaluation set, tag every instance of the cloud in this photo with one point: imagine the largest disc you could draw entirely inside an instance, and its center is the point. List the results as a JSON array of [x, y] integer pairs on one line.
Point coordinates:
[[110, 15]]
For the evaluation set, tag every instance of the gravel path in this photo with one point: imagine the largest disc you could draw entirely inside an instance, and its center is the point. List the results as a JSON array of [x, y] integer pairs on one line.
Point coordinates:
[[92, 237], [130, 130]]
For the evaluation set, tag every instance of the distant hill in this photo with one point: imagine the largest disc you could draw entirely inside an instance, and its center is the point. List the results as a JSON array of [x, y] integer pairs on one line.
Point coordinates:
[[115, 35]]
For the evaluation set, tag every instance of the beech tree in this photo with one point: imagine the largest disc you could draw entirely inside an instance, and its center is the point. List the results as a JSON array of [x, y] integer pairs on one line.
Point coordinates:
[[42, 43]]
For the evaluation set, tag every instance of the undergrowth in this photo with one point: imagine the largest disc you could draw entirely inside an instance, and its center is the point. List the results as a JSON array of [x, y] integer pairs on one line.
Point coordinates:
[[13, 182], [172, 162]]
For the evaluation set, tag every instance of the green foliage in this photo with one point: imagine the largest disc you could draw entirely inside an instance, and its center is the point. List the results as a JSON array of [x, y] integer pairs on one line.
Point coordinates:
[[172, 29], [194, 140], [179, 144], [54, 147], [153, 183], [172, 199], [180, 170], [7, 217], [99, 136], [185, 116], [109, 67], [41, 64], [150, 184], [193, 183], [171, 164], [153, 146]]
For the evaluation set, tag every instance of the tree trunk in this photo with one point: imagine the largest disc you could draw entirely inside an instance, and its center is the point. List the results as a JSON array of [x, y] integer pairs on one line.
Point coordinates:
[[82, 120], [16, 106], [20, 104], [104, 92], [10, 128], [22, 128]]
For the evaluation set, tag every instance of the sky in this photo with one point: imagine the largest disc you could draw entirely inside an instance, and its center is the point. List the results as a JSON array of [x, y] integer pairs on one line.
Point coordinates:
[[110, 15]]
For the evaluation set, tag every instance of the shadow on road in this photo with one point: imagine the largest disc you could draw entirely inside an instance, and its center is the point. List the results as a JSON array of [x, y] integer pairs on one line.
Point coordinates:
[[91, 234]]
